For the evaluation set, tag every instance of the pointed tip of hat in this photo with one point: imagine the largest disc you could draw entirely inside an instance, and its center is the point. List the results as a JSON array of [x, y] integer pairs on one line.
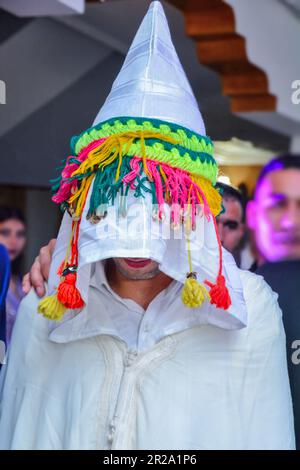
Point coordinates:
[[156, 5], [152, 82]]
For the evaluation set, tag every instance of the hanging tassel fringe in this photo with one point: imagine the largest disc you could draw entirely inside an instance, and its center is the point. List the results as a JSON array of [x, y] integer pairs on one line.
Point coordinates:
[[219, 294], [166, 184], [67, 295], [67, 292], [51, 308], [193, 294]]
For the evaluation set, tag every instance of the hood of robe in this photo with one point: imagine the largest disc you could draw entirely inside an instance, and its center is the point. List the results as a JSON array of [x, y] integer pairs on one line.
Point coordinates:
[[141, 183]]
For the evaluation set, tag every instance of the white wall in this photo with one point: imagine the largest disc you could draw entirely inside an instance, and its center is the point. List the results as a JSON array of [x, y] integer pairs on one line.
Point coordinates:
[[272, 34]]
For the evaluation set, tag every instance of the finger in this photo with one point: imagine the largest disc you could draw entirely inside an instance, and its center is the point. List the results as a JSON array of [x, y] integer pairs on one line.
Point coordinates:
[[51, 245], [36, 278], [26, 284], [45, 260]]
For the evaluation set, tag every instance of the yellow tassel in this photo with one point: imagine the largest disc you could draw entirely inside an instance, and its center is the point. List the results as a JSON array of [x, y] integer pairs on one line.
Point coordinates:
[[193, 294], [213, 197], [51, 308]]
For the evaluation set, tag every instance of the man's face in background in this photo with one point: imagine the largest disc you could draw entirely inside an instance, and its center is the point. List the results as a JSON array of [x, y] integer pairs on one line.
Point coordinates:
[[230, 224], [274, 215]]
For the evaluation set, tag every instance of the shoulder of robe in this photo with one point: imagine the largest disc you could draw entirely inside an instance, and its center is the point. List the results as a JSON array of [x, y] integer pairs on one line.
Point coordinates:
[[29, 342], [30, 326], [264, 313], [28, 316]]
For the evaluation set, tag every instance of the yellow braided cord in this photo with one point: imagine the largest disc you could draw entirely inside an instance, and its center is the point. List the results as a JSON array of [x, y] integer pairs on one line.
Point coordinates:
[[164, 177], [188, 229], [83, 194], [78, 192], [144, 155], [119, 166]]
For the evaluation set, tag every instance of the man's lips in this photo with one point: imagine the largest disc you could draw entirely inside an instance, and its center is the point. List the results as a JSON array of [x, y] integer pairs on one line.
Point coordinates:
[[137, 262]]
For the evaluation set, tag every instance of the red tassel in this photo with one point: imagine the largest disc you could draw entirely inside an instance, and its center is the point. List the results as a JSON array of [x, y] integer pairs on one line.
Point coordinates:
[[68, 294], [219, 294]]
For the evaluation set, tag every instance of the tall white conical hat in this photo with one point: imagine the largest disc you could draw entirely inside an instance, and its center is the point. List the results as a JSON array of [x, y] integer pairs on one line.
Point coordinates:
[[146, 148], [152, 82]]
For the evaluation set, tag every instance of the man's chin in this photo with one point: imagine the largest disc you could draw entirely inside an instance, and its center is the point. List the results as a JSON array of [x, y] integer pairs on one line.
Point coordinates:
[[136, 273]]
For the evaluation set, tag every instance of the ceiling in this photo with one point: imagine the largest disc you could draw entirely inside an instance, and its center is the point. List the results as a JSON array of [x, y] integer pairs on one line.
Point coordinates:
[[294, 5]]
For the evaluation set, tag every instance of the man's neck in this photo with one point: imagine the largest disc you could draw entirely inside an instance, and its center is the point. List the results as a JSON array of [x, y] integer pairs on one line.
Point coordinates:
[[142, 291]]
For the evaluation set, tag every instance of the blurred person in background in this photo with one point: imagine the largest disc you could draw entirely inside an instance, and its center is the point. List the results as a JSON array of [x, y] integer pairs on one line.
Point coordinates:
[[13, 237], [4, 282], [274, 212], [231, 222], [274, 217]]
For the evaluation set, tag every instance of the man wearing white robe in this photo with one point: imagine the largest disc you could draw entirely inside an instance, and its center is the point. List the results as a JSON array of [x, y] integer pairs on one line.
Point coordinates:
[[133, 379], [135, 368]]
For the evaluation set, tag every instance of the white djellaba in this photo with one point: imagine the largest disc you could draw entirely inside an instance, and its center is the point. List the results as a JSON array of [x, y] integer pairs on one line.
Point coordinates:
[[112, 376]]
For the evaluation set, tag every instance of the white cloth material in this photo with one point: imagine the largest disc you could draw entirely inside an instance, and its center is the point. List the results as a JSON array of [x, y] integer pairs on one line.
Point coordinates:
[[198, 387], [138, 329], [138, 235], [152, 82]]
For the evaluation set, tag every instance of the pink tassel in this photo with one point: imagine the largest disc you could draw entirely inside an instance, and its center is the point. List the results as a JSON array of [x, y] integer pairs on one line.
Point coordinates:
[[174, 192], [65, 190], [130, 177], [158, 187]]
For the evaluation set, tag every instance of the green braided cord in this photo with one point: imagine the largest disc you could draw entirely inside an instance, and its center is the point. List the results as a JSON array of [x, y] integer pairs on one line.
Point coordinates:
[[192, 153], [173, 158], [188, 139]]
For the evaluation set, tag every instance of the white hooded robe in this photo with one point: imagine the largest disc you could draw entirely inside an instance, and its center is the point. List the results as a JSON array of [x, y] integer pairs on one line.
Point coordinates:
[[193, 385]]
